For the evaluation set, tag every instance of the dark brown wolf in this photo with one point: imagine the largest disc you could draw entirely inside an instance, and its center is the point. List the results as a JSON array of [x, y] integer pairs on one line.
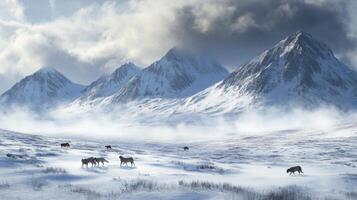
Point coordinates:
[[292, 170], [108, 147], [65, 144], [126, 160], [186, 148]]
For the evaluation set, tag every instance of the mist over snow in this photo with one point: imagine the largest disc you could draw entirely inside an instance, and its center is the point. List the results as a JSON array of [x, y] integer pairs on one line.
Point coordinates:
[[120, 124]]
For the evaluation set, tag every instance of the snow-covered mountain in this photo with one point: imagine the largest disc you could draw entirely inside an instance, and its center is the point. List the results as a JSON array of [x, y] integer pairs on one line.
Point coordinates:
[[299, 70], [108, 85], [43, 89], [176, 75]]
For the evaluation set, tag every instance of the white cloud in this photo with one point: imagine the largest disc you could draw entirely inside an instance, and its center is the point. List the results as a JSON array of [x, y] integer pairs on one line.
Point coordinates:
[[243, 23], [208, 13], [96, 38], [11, 10]]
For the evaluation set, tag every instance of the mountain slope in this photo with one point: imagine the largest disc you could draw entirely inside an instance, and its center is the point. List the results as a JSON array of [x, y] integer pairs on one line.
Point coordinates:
[[178, 74], [45, 88], [299, 70], [108, 85]]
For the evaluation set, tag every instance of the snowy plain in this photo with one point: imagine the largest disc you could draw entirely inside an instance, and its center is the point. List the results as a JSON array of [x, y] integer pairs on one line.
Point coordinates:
[[245, 161]]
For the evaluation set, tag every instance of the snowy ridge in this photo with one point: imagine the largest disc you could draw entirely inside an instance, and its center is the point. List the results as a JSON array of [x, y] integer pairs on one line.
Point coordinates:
[[299, 70], [108, 85], [176, 75], [41, 90]]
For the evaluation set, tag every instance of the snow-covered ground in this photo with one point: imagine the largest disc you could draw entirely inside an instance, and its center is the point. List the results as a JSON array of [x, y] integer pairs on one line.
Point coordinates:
[[234, 167]]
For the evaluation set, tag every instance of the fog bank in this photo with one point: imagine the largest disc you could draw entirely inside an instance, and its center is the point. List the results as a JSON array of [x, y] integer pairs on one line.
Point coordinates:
[[120, 125]]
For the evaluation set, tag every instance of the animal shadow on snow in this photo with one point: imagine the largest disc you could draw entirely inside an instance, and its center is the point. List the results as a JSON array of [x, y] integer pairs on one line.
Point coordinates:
[[64, 177], [96, 169], [127, 167]]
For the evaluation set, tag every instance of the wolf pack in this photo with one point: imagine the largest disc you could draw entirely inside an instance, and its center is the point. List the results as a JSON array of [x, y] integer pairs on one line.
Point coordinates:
[[100, 161], [94, 161]]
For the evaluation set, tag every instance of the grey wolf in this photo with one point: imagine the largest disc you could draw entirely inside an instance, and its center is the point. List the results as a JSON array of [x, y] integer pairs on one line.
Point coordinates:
[[101, 160], [126, 160]]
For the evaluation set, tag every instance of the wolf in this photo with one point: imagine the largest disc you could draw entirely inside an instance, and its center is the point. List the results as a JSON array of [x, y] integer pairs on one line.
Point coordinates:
[[108, 147], [126, 160], [101, 160], [90, 160], [65, 144], [292, 170], [86, 161]]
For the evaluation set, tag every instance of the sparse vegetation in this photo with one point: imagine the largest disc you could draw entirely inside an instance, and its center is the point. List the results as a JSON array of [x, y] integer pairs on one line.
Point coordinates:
[[142, 185], [46, 154], [132, 186], [202, 166], [54, 170], [284, 193], [289, 193], [351, 195], [4, 185], [81, 190], [219, 187], [37, 184]]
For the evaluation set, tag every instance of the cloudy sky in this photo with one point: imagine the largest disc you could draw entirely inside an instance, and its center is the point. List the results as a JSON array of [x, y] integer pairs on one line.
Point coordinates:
[[86, 38]]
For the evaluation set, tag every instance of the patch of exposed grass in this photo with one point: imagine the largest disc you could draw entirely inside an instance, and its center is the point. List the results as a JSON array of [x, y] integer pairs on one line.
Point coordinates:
[[284, 193], [54, 170], [351, 195], [38, 184], [288, 193], [200, 167], [141, 185], [81, 190], [4, 185]]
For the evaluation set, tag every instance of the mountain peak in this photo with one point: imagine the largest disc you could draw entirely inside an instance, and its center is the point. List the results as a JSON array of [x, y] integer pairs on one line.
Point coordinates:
[[47, 70], [177, 54], [126, 66], [178, 59], [46, 87], [301, 34], [298, 67], [129, 64], [108, 85], [125, 69], [179, 73], [302, 43], [300, 37]]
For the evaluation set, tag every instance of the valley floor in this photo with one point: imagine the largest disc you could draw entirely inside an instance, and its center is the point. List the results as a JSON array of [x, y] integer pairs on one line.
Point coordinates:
[[246, 167]]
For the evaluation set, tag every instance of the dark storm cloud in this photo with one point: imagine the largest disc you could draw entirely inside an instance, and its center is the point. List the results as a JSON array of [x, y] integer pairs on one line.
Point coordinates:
[[244, 28]]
